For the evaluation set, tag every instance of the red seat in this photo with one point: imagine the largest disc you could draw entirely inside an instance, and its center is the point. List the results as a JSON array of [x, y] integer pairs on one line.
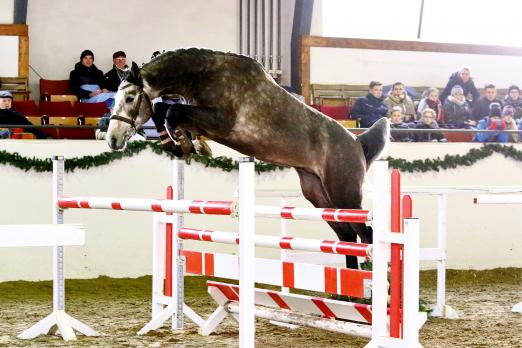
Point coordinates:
[[50, 87], [26, 107], [91, 109], [459, 137], [62, 109], [336, 112]]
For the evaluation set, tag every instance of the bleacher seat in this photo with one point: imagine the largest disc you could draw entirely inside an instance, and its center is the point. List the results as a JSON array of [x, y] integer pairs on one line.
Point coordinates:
[[92, 112], [29, 109], [49, 88]]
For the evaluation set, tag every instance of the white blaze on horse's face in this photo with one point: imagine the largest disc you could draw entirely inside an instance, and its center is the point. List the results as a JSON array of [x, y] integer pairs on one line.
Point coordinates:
[[130, 111]]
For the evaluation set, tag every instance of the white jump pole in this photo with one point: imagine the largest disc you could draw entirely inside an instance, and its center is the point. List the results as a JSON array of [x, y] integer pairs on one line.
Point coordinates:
[[381, 221], [178, 265], [246, 252]]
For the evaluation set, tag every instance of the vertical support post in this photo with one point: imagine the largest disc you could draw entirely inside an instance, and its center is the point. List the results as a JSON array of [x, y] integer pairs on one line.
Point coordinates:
[[411, 278], [58, 267], [284, 233], [178, 281], [158, 264], [441, 246], [168, 250], [381, 220], [246, 252], [396, 268]]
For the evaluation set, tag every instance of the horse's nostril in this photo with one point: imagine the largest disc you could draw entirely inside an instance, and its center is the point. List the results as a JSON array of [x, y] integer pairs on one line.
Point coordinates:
[[112, 143]]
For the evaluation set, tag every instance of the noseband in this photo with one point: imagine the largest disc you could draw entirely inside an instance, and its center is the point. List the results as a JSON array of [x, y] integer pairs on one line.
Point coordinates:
[[133, 113]]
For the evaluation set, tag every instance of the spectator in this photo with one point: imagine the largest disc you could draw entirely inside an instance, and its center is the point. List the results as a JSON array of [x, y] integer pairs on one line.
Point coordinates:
[[10, 117], [87, 82], [428, 122], [457, 112], [370, 108], [396, 123], [492, 122], [481, 107], [118, 72], [511, 124], [464, 80], [513, 98], [431, 101], [399, 97]]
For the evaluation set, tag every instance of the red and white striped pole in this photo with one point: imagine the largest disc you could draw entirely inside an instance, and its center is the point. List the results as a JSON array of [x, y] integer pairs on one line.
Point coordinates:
[[284, 243]]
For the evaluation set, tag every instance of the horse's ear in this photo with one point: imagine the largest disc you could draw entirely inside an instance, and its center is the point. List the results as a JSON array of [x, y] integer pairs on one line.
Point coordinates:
[[135, 75]]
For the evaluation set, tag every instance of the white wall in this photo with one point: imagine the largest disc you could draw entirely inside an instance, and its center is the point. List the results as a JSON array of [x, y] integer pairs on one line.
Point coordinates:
[[6, 11], [60, 30], [118, 243], [360, 66], [9, 56]]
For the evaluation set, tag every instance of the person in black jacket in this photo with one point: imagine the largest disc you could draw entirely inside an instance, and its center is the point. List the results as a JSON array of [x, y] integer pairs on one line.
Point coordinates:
[[428, 122], [10, 117], [118, 72], [463, 79], [86, 81], [481, 107], [396, 123], [371, 108]]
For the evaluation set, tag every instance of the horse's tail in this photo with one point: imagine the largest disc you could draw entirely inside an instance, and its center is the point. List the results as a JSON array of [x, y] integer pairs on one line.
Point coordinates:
[[375, 140]]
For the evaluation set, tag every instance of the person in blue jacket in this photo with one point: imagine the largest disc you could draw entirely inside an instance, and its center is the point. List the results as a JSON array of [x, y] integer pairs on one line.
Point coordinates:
[[370, 108], [492, 122]]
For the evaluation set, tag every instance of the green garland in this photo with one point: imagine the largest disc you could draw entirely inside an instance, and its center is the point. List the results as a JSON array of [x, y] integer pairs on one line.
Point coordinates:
[[228, 164]]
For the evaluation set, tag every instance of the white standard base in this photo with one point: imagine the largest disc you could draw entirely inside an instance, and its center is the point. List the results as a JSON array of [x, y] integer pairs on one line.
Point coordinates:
[[517, 308], [58, 321], [445, 312]]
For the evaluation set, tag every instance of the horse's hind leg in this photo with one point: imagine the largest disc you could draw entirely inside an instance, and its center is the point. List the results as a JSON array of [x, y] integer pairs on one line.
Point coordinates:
[[314, 191]]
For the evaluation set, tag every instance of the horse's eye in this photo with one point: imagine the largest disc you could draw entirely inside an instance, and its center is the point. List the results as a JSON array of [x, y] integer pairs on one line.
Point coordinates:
[[129, 99]]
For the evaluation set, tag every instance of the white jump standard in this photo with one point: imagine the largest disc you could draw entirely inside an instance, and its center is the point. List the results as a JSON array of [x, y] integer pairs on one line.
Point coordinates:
[[57, 236], [399, 329]]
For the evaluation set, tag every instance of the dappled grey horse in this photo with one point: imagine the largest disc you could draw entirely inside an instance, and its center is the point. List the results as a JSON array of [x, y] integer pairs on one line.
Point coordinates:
[[233, 101]]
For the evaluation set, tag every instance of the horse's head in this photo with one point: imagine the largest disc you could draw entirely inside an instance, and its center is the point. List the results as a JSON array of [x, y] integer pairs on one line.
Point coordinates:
[[132, 108]]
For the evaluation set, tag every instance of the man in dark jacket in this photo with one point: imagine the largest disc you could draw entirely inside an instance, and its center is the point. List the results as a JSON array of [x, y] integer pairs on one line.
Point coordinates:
[[463, 79], [118, 72], [481, 108], [86, 81], [371, 108], [10, 117]]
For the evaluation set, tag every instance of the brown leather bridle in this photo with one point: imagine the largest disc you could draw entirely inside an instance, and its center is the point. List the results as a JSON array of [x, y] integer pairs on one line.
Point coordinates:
[[133, 113]]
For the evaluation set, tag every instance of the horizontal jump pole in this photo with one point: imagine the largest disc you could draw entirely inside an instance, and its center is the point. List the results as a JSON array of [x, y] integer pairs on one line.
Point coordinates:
[[41, 235], [155, 205], [212, 208], [324, 214], [303, 244]]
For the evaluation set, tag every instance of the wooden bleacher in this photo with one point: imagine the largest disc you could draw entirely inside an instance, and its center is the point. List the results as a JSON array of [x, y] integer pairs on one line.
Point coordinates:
[[18, 86]]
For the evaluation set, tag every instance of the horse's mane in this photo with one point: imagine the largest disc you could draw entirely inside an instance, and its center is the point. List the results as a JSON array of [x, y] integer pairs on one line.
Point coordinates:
[[194, 61]]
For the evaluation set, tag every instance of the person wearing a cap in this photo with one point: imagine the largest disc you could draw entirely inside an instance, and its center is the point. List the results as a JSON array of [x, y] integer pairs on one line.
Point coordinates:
[[118, 73], [11, 117], [514, 99], [508, 117], [492, 122], [464, 80], [457, 113], [86, 81], [481, 107]]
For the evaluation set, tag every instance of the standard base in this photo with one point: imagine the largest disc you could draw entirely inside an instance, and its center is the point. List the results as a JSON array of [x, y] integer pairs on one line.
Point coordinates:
[[445, 312], [58, 321]]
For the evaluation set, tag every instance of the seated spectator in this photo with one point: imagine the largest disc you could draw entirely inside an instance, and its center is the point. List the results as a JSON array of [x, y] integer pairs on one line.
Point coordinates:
[[481, 107], [492, 122], [10, 117], [396, 123], [399, 97], [511, 124], [370, 108], [513, 99], [428, 122], [118, 72], [457, 112], [87, 82], [431, 101], [464, 80]]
